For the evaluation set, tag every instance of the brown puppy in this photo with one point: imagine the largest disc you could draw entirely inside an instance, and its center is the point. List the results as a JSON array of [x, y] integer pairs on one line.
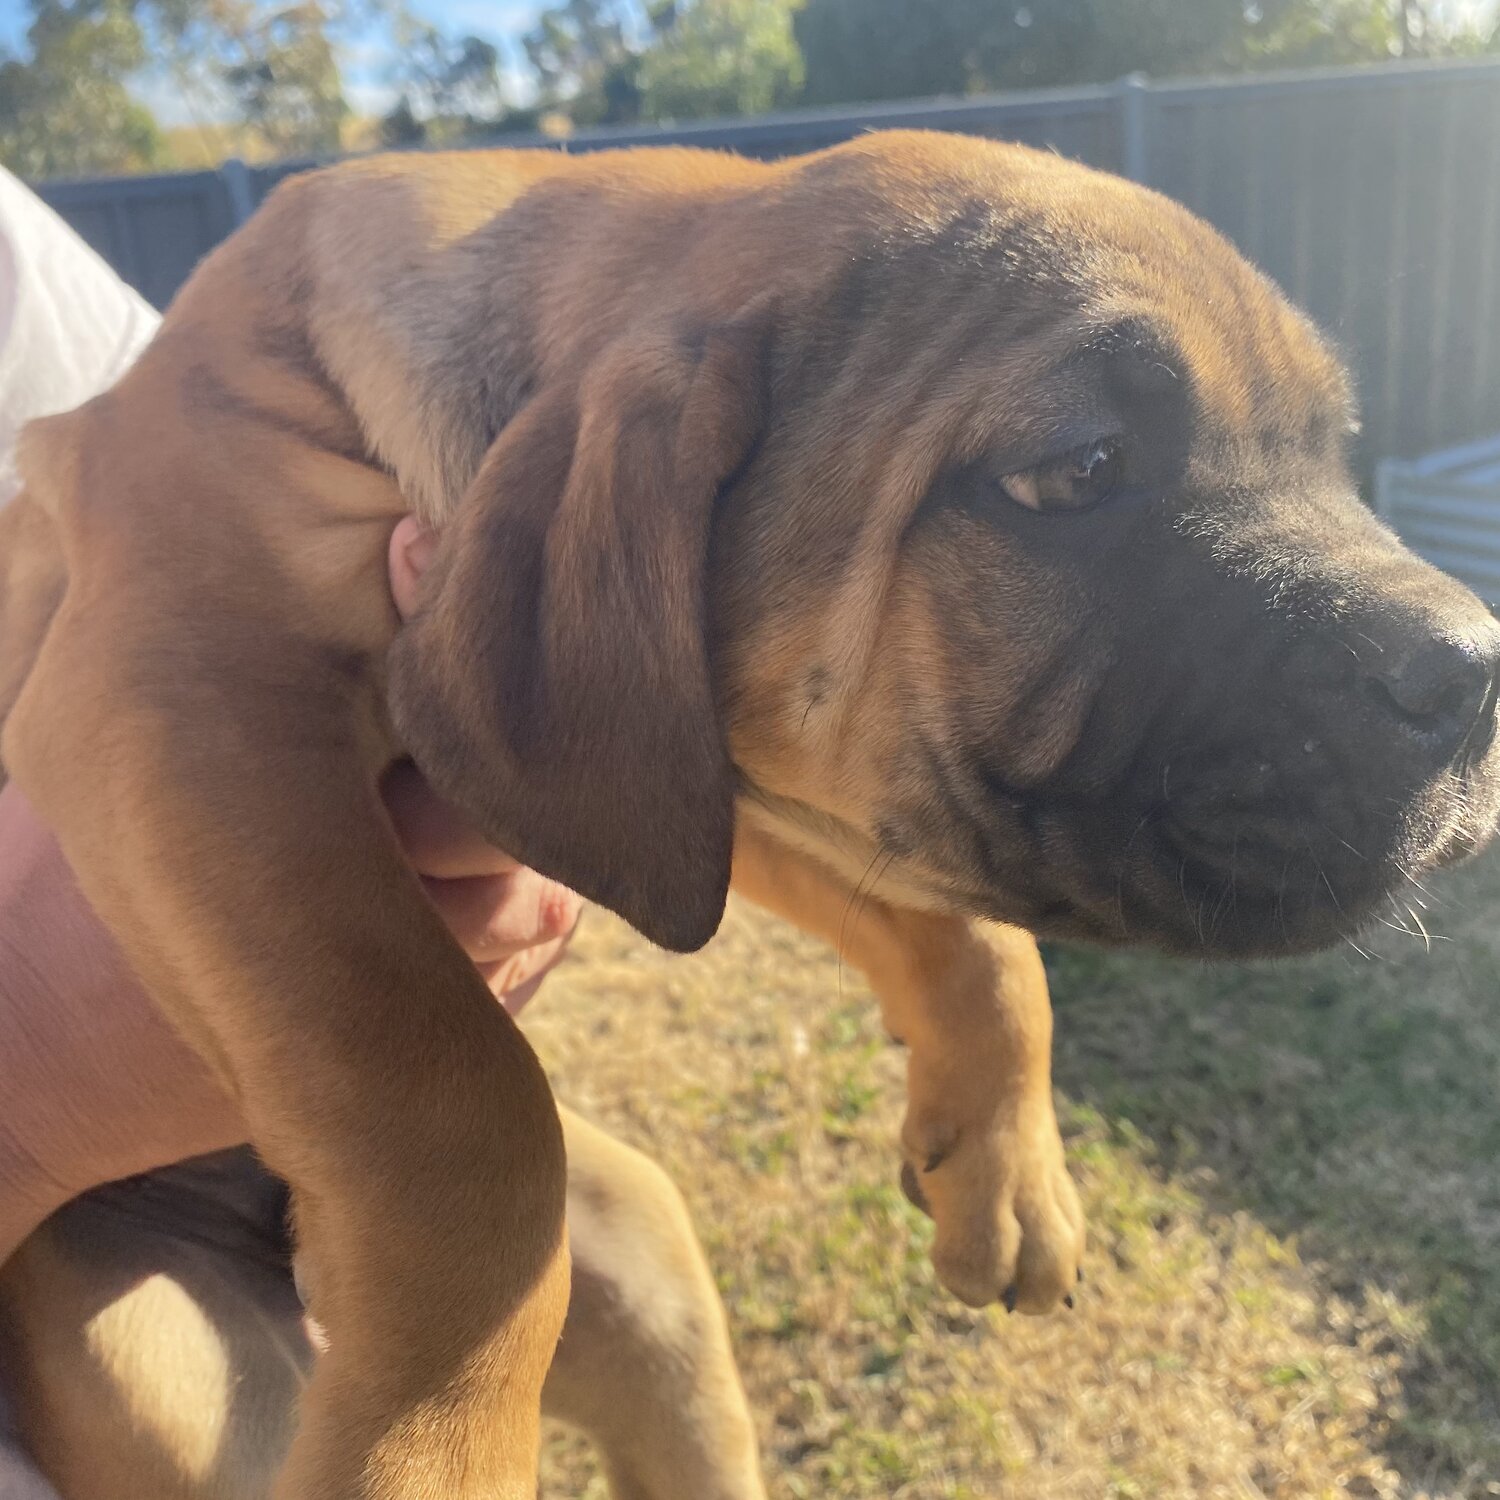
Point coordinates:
[[911, 504], [153, 1336]]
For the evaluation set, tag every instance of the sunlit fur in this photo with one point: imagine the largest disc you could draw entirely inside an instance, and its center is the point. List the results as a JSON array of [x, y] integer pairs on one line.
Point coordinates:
[[729, 582]]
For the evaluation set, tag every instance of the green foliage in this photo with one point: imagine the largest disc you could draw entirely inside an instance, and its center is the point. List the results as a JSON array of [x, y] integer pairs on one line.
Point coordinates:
[[1325, 33], [721, 57], [271, 70], [1330, 32], [287, 84], [584, 62], [1089, 41], [68, 111], [270, 66], [448, 87], [888, 49]]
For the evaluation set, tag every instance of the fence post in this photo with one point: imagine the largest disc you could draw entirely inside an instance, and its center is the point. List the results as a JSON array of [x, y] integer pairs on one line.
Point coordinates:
[[236, 177], [1135, 147]]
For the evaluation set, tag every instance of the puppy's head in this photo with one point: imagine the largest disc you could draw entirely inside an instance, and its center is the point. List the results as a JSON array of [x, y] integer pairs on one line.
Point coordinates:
[[1034, 584]]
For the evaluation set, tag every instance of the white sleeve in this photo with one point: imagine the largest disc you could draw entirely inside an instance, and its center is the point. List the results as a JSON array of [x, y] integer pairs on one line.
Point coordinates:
[[69, 327]]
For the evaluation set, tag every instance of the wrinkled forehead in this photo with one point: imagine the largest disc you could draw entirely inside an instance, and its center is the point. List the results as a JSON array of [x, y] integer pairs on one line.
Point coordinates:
[[1073, 276], [1165, 299], [1257, 375]]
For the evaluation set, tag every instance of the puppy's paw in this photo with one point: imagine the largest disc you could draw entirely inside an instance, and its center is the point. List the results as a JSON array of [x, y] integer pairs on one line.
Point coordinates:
[[1010, 1228]]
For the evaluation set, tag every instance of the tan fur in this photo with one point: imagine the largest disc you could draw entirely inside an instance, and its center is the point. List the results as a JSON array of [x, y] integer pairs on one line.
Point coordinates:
[[561, 360], [159, 1356], [981, 1143]]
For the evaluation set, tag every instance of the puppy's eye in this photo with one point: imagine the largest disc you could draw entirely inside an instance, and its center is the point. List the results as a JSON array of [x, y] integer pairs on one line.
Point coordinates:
[[1086, 477]]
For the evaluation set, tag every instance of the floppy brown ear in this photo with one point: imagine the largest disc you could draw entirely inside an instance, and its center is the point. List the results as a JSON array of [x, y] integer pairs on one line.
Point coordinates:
[[555, 682]]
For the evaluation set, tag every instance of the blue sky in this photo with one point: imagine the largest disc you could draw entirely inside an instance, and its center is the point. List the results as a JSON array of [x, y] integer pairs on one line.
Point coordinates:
[[12, 23]]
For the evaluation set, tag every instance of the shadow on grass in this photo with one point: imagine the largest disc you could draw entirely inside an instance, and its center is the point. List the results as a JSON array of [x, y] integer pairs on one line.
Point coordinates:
[[1351, 1104]]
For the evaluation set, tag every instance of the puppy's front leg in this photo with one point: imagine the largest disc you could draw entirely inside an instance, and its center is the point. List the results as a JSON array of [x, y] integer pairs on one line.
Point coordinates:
[[983, 1153], [219, 806]]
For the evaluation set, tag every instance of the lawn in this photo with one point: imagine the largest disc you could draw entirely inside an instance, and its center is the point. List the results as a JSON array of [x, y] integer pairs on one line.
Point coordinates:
[[1292, 1174]]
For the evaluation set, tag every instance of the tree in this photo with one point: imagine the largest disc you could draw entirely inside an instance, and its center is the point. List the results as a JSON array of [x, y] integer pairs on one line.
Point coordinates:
[[449, 87], [886, 49], [882, 49], [720, 57], [1091, 41], [67, 111], [269, 70], [1328, 32], [273, 67], [581, 53]]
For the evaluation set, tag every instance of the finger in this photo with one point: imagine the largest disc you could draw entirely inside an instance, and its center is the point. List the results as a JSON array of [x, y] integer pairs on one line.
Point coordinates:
[[411, 549], [438, 840], [495, 917], [517, 979]]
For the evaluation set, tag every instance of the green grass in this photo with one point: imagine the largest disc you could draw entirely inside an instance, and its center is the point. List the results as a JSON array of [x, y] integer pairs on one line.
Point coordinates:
[[1353, 1107], [1294, 1199]]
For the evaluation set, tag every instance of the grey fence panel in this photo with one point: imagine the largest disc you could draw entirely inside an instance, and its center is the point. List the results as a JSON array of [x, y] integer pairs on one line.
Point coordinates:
[[1373, 198], [1372, 195], [1446, 506], [1081, 123], [1077, 122], [152, 230]]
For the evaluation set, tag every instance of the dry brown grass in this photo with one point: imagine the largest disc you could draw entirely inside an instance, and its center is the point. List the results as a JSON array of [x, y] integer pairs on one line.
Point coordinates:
[[1290, 1173], [208, 143]]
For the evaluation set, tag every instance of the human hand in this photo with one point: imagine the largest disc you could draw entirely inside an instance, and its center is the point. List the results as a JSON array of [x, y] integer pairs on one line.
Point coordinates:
[[511, 921]]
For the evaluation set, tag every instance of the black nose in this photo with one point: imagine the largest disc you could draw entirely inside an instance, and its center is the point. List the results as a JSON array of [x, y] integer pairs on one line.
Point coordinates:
[[1443, 689]]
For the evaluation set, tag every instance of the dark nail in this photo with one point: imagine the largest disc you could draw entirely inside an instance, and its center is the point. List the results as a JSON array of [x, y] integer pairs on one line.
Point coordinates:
[[1008, 1297], [912, 1187], [1068, 1303], [1080, 1275]]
